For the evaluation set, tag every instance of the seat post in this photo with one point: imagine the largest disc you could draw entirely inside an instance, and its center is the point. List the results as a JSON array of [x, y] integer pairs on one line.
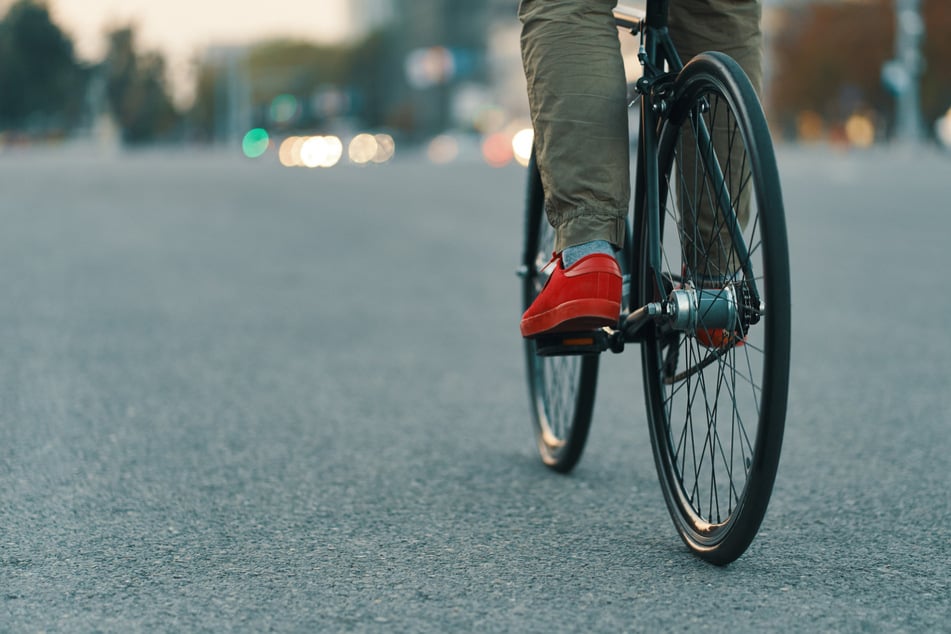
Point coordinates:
[[657, 13]]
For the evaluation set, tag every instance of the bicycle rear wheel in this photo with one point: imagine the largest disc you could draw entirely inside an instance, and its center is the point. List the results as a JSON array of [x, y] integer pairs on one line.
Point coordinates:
[[561, 389], [716, 397]]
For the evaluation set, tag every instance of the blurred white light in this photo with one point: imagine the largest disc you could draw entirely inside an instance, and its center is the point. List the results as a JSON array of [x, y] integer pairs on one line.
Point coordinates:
[[442, 149], [311, 153], [429, 66], [522, 145], [321, 151], [386, 148], [296, 150], [943, 128], [335, 151], [363, 148]]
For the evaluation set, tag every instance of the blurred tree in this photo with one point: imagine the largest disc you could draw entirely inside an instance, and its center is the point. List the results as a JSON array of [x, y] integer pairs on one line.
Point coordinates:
[[136, 90], [42, 86], [299, 68], [828, 60]]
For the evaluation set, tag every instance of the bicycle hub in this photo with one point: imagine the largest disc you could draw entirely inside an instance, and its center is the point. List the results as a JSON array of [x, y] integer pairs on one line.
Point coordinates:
[[690, 308]]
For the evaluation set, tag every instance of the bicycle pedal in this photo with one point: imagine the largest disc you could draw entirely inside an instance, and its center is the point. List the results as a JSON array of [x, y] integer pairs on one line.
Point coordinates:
[[572, 343]]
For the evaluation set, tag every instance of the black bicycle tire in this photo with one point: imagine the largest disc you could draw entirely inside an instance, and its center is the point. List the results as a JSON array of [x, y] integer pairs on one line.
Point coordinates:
[[558, 451], [723, 541]]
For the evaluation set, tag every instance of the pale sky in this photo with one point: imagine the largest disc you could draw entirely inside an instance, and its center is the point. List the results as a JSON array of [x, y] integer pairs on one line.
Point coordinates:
[[184, 26], [182, 29]]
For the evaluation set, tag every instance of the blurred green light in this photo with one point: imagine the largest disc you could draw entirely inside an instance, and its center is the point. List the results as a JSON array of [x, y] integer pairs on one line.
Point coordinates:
[[283, 108], [255, 142]]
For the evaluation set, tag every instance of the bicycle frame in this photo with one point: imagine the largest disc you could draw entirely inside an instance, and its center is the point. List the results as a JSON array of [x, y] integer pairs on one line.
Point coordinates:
[[656, 51], [661, 64]]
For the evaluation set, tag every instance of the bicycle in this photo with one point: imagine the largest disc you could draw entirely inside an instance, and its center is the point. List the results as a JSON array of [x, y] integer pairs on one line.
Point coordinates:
[[706, 295]]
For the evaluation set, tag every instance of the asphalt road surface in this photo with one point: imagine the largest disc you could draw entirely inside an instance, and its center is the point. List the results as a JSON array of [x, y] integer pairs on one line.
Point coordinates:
[[240, 397]]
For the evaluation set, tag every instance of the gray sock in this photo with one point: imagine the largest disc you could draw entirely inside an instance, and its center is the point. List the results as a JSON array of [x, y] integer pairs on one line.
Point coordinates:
[[572, 254]]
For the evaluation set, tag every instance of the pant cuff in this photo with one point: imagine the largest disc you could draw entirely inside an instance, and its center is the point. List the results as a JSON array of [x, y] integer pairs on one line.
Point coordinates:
[[586, 227]]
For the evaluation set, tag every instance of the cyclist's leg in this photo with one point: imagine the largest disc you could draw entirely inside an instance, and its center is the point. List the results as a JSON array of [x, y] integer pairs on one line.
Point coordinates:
[[577, 89], [731, 27], [727, 26]]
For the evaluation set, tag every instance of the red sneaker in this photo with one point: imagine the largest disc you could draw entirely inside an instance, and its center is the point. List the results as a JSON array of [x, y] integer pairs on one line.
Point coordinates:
[[718, 338], [587, 296]]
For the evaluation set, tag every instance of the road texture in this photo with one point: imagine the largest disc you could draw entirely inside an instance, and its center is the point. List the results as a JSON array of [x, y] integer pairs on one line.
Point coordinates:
[[236, 397]]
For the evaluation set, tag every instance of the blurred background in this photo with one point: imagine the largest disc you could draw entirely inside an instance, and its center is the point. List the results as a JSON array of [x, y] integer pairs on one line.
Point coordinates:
[[335, 81], [290, 399]]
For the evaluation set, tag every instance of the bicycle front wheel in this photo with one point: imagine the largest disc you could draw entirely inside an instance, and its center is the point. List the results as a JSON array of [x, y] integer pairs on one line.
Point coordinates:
[[561, 389], [717, 396]]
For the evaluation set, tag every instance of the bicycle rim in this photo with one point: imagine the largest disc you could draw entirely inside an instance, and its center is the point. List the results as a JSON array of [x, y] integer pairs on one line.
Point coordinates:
[[717, 397]]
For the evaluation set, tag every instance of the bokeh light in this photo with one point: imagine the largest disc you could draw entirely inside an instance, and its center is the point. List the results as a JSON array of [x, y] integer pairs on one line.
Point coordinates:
[[289, 151], [321, 151], [490, 119], [362, 148], [429, 66], [522, 145], [943, 129], [329, 150], [385, 148], [255, 142], [284, 109], [497, 149], [809, 126], [860, 130], [442, 149]]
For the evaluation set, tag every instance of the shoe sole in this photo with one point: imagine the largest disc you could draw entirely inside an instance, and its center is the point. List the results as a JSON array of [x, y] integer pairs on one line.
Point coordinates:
[[574, 316]]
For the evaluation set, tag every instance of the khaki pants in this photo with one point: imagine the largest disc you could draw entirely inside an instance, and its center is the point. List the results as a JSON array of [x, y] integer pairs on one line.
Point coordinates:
[[577, 96]]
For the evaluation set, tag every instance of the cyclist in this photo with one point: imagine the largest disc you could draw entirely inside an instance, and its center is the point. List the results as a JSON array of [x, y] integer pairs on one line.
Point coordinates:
[[577, 97]]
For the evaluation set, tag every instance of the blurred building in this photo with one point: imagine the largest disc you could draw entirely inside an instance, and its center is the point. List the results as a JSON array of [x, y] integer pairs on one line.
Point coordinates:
[[446, 53], [415, 67], [231, 93]]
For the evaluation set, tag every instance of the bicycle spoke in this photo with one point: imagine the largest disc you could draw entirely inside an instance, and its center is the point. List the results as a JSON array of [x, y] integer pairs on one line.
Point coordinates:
[[742, 426]]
